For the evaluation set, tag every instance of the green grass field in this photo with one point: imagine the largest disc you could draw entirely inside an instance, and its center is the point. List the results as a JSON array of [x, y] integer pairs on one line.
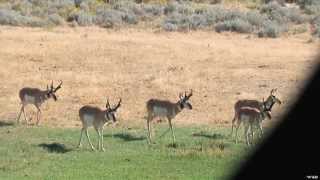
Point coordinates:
[[52, 153]]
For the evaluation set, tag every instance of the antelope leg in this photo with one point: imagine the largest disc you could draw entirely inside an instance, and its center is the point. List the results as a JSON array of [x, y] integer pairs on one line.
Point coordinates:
[[172, 132], [87, 134], [79, 145]]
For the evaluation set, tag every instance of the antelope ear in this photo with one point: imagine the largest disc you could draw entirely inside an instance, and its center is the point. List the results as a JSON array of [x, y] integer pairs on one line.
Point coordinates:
[[269, 114], [190, 106]]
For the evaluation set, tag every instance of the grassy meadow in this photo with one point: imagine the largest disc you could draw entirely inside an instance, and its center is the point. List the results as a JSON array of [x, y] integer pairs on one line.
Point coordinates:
[[52, 153]]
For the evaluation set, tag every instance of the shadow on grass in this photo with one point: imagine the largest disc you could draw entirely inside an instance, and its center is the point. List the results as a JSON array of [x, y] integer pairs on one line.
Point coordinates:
[[126, 137], [210, 136], [176, 145], [3, 123], [54, 147], [173, 145]]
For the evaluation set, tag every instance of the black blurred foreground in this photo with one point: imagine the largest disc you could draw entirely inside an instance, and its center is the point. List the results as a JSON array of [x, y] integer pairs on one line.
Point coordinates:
[[292, 150]]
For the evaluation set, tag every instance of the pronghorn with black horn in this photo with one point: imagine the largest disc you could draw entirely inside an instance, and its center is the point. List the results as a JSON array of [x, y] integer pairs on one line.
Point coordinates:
[[261, 106], [96, 117], [166, 109], [251, 117], [36, 97]]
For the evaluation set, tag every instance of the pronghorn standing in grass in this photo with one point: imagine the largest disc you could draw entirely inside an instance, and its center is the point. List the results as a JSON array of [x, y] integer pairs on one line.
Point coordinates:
[[251, 117], [96, 117], [261, 106], [166, 109], [36, 97]]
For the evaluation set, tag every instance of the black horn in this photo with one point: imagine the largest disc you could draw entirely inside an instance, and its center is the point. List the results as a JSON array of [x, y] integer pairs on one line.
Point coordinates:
[[107, 104], [118, 105], [51, 85], [58, 87], [272, 91]]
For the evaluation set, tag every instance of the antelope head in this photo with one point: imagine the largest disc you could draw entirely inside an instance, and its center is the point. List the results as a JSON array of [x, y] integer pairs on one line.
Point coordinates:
[[51, 92], [110, 112], [273, 97], [266, 112], [184, 100]]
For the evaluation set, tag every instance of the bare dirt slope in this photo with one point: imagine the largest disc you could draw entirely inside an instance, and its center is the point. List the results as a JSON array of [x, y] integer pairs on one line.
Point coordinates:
[[137, 65]]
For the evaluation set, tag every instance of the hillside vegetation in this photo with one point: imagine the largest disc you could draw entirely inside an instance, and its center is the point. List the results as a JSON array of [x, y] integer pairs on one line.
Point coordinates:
[[263, 18]]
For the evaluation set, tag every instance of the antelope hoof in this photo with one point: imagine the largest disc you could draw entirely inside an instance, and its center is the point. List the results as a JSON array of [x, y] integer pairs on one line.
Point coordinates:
[[103, 150], [151, 143]]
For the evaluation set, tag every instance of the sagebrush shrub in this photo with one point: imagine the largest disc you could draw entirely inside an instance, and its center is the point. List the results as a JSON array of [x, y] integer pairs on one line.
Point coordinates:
[[271, 29], [14, 18], [312, 9], [197, 21], [55, 19], [235, 25], [305, 3], [109, 17], [169, 26], [269, 20], [255, 18], [85, 19]]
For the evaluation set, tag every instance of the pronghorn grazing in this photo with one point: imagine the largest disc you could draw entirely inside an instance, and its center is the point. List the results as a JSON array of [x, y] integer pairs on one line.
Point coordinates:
[[96, 117], [261, 106], [251, 117], [36, 97], [166, 109]]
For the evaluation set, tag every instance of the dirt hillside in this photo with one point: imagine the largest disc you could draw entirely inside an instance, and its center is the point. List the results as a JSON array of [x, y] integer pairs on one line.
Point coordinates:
[[136, 65]]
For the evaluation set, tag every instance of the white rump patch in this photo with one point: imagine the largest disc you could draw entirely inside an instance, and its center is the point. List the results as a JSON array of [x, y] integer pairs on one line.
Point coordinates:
[[88, 119], [29, 99]]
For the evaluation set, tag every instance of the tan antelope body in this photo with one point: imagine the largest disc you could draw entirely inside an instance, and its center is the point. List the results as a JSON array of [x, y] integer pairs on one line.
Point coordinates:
[[36, 97], [260, 105], [96, 117], [251, 117], [166, 109]]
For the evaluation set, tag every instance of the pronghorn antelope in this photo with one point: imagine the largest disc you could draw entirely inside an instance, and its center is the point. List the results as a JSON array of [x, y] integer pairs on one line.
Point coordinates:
[[36, 97], [251, 117], [96, 117], [261, 106], [166, 109]]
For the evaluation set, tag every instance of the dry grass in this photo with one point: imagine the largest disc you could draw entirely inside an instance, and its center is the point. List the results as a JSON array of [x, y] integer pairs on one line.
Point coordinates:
[[140, 64]]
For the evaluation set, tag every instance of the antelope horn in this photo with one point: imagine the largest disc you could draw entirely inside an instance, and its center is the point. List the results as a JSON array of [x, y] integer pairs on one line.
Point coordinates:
[[107, 105], [51, 84], [58, 87], [118, 105], [272, 91]]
